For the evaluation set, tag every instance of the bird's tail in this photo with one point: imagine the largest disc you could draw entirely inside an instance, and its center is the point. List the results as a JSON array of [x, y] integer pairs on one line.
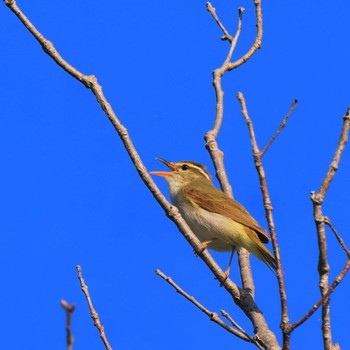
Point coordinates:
[[265, 256]]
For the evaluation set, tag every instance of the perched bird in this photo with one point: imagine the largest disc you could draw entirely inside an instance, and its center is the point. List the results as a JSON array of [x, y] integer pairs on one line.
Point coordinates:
[[219, 222]]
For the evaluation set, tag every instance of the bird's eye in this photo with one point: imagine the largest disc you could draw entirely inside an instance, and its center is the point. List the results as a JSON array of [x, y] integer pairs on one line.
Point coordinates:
[[184, 167]]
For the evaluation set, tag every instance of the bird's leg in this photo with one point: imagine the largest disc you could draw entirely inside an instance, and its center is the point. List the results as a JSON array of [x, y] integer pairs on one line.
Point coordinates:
[[205, 245], [227, 272]]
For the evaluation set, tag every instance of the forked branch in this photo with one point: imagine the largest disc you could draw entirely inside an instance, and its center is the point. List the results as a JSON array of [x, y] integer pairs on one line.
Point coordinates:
[[211, 136], [257, 155], [213, 316], [323, 265], [217, 155]]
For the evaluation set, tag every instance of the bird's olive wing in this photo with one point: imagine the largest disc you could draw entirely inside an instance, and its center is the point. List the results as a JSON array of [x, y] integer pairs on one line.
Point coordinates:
[[212, 199]]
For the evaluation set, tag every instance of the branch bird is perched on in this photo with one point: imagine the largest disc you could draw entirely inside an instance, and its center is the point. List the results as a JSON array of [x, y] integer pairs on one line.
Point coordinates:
[[219, 222]]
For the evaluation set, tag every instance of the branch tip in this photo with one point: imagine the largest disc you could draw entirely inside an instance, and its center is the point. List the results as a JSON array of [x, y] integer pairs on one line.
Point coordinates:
[[347, 114]]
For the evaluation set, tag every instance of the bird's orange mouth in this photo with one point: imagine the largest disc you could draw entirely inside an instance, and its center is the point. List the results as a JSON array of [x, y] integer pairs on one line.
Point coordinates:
[[164, 173]]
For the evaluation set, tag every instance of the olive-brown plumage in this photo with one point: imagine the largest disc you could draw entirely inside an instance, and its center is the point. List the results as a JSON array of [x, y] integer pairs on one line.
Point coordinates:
[[218, 221]]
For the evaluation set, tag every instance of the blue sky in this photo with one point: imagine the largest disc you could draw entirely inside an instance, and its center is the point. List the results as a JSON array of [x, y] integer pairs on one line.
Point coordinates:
[[70, 194]]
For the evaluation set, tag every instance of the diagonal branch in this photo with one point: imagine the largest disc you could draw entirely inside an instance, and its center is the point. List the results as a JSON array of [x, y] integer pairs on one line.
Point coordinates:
[[281, 127], [325, 296], [340, 240], [234, 323], [213, 316], [93, 313], [212, 11]]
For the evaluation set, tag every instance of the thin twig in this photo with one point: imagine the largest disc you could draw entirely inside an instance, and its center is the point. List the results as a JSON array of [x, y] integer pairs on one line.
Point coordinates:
[[326, 295], [93, 313], [340, 240], [213, 316], [281, 127], [235, 324], [69, 313], [343, 139], [257, 41], [212, 11], [269, 216], [234, 40]]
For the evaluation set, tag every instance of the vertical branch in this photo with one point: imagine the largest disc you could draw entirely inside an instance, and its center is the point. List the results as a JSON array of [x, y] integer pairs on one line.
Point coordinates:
[[69, 312], [211, 136], [323, 270], [216, 154], [317, 201], [257, 155]]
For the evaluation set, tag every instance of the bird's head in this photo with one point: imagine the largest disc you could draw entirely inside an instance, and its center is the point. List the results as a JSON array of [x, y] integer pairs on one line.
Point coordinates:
[[183, 173]]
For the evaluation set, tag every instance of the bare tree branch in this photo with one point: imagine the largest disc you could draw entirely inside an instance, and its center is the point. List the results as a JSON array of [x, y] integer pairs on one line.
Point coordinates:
[[331, 289], [242, 298], [317, 200], [343, 139], [216, 154], [236, 325], [213, 316], [211, 136], [281, 127], [340, 240], [212, 11], [268, 209], [69, 313], [93, 313]]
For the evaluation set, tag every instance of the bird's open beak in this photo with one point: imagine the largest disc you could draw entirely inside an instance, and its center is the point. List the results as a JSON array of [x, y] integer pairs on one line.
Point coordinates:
[[164, 173]]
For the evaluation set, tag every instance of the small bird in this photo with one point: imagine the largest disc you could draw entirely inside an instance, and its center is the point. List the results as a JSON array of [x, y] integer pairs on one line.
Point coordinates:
[[218, 221]]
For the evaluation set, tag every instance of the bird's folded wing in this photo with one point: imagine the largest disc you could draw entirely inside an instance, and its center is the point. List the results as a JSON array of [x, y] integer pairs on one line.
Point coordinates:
[[210, 198]]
